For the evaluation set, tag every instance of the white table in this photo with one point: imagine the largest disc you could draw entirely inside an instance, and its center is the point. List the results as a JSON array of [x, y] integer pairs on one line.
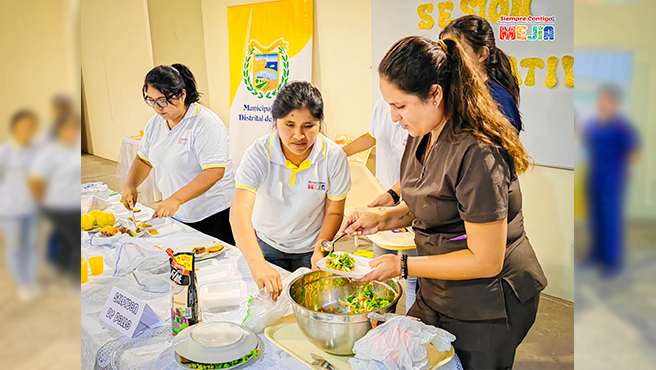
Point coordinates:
[[120, 260], [121, 257], [148, 190]]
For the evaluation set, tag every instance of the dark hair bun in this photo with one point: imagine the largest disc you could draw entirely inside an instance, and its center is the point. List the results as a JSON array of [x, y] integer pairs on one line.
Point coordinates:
[[171, 80]]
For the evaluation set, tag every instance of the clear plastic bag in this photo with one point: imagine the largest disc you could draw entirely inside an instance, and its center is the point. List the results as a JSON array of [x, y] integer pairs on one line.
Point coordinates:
[[91, 202], [264, 311], [399, 344]]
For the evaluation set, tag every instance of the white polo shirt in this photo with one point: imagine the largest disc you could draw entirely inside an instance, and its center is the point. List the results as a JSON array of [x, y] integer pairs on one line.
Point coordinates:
[[290, 202], [59, 166], [15, 163], [198, 142], [391, 139]]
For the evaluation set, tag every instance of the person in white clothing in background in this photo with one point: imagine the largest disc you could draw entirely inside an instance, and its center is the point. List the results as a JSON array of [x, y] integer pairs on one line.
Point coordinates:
[[390, 140], [187, 145], [54, 180], [388, 137], [291, 189], [18, 211]]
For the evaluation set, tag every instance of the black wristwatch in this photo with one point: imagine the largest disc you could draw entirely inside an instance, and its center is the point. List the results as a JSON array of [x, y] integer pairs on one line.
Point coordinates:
[[404, 266], [395, 196]]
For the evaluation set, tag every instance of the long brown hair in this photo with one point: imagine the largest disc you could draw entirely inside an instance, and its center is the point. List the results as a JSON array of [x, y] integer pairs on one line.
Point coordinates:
[[478, 33], [414, 64]]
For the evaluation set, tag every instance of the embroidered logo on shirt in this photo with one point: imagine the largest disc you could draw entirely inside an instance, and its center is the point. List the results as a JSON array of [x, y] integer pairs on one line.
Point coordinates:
[[313, 185], [182, 141]]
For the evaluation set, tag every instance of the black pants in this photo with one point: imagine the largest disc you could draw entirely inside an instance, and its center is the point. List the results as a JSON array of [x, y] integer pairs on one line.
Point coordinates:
[[287, 261], [66, 224], [216, 225], [485, 344]]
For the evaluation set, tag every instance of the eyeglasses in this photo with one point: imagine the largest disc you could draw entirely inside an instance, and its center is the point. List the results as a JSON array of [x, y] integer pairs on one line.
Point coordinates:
[[162, 103]]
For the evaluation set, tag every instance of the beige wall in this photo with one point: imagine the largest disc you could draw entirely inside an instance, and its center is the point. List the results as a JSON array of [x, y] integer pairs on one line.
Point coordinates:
[[548, 200], [38, 57], [176, 29], [116, 55]]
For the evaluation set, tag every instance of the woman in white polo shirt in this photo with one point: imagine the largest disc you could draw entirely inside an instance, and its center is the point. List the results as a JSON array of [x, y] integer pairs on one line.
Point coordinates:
[[187, 145], [291, 189]]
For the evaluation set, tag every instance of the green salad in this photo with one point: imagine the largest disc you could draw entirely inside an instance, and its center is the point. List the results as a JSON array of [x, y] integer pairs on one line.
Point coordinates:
[[225, 365], [343, 262], [366, 301]]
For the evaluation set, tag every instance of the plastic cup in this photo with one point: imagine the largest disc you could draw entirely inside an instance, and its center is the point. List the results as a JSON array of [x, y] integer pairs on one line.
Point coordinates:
[[84, 271], [96, 262]]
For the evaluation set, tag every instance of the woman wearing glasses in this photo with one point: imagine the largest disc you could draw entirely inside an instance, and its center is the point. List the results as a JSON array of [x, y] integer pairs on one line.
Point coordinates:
[[187, 145]]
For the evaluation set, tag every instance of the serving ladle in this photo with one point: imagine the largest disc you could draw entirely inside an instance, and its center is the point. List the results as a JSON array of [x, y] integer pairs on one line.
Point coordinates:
[[328, 247]]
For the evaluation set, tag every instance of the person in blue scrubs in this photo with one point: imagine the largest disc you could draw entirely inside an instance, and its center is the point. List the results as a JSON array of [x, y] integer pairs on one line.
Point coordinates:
[[477, 38], [612, 144]]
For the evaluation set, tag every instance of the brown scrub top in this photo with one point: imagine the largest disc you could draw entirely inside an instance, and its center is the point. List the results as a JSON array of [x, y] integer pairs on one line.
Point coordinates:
[[473, 182]]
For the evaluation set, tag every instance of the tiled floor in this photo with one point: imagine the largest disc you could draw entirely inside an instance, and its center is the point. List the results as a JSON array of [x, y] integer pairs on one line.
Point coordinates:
[[549, 344], [616, 319], [44, 334]]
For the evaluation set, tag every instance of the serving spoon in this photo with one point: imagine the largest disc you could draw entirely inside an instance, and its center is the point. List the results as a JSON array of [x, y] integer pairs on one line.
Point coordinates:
[[328, 247]]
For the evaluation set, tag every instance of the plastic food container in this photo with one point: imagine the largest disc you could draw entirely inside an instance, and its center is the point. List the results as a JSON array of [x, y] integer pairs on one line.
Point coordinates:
[[211, 271], [216, 295], [154, 275], [98, 189]]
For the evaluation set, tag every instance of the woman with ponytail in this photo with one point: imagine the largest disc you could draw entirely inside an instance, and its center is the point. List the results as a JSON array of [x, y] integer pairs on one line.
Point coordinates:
[[477, 38], [187, 145], [478, 275]]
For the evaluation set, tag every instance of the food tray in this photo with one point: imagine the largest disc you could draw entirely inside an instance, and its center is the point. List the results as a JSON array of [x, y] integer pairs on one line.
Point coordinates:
[[287, 335]]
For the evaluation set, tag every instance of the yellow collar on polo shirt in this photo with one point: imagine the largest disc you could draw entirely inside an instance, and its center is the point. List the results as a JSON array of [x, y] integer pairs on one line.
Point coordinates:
[[278, 157], [192, 108], [303, 166]]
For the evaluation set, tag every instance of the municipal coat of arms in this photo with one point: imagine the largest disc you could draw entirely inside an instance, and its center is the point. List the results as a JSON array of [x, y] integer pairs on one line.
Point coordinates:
[[266, 70]]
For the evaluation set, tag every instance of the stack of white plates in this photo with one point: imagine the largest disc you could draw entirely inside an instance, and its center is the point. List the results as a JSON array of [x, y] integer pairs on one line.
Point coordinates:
[[215, 343]]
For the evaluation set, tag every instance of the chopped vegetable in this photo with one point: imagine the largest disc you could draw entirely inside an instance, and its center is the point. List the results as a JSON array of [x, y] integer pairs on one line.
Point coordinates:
[[224, 365], [366, 301], [343, 262]]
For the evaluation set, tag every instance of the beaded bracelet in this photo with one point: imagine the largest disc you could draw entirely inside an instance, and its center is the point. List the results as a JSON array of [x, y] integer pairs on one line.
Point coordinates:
[[404, 266]]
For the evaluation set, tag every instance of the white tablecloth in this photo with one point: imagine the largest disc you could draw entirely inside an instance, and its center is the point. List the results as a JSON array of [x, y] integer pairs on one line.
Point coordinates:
[[148, 190], [122, 257]]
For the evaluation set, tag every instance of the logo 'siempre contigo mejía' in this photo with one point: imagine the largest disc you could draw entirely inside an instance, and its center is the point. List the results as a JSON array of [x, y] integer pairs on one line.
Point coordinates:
[[530, 31]]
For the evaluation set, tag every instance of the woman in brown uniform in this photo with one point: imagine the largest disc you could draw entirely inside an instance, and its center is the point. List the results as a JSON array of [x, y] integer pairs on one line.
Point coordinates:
[[478, 275]]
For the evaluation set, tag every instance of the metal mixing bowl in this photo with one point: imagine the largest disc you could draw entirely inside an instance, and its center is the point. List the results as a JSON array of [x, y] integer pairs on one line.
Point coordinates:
[[313, 294]]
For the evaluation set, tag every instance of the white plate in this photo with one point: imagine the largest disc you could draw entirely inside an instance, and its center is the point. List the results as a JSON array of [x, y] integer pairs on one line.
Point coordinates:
[[215, 342], [188, 247], [361, 266]]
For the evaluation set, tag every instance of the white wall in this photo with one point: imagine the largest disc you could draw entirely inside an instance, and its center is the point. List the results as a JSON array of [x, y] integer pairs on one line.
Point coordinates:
[[176, 28], [116, 55]]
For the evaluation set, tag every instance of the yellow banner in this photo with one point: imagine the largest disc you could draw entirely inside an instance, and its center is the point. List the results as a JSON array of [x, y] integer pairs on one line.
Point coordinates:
[[262, 28]]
